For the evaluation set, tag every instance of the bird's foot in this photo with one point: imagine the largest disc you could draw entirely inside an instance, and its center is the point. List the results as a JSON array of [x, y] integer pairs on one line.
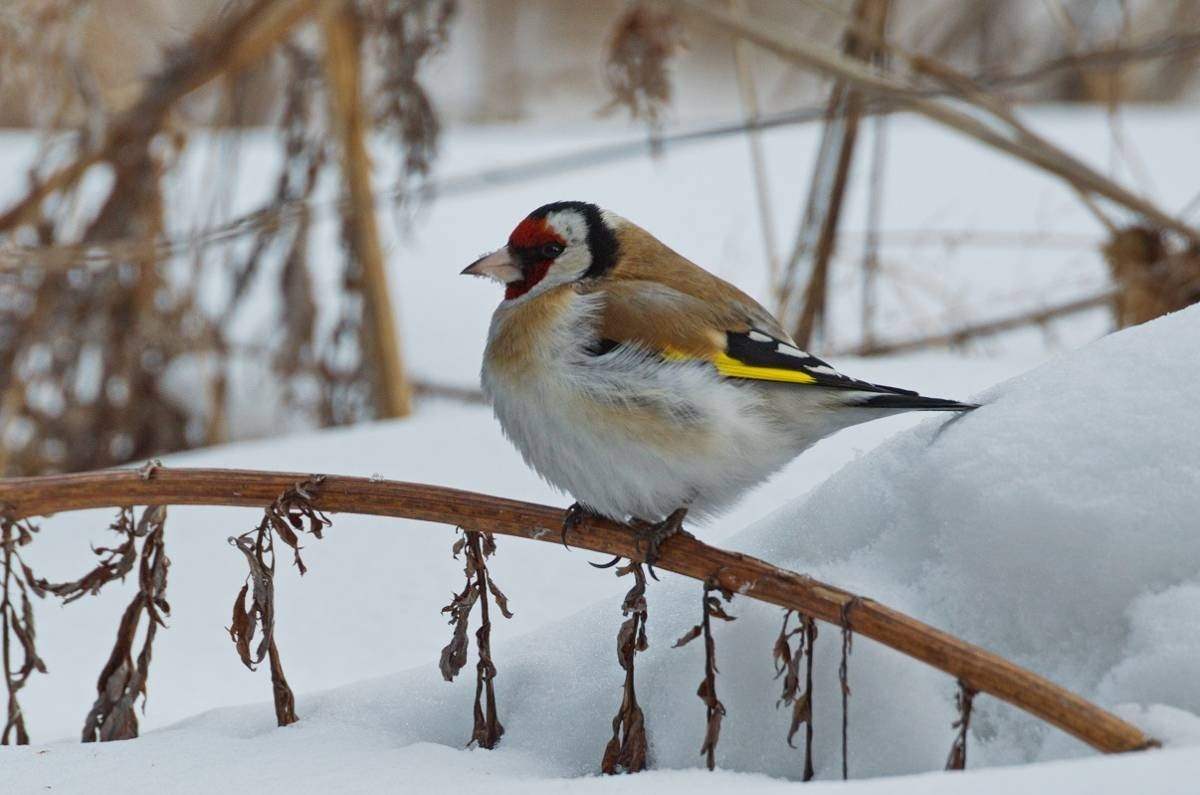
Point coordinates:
[[574, 517], [653, 535]]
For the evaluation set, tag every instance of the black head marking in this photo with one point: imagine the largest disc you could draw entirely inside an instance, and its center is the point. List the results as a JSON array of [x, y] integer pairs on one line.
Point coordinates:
[[601, 241]]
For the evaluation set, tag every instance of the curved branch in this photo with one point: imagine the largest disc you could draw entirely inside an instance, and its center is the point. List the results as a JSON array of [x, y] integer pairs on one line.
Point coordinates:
[[976, 668]]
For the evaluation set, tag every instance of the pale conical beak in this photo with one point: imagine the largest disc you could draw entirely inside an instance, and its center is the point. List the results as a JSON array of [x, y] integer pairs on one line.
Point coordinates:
[[498, 265]]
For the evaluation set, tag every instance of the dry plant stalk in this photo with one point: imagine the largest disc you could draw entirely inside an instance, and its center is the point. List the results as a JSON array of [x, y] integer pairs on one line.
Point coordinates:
[[122, 680], [714, 710], [626, 751], [123, 296], [290, 513], [787, 665], [476, 548], [643, 42], [343, 70], [17, 624], [818, 232], [1001, 129], [844, 681], [964, 701], [681, 554]]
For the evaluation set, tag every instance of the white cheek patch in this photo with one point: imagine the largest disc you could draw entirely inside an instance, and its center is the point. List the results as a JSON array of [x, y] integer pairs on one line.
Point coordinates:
[[570, 226]]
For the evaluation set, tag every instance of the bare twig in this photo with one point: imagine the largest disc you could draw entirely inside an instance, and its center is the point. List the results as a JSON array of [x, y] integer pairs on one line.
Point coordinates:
[[964, 700], [999, 133], [235, 42], [844, 681], [682, 554], [750, 114], [986, 328], [818, 232]]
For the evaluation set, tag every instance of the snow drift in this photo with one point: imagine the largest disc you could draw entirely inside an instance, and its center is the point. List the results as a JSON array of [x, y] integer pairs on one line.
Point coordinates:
[[1057, 525]]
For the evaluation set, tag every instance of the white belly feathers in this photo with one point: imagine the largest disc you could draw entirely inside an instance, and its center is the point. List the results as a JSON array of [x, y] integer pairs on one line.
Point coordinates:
[[624, 433]]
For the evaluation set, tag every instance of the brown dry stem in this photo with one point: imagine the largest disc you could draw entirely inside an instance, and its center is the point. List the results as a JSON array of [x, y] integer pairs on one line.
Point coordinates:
[[844, 681], [123, 679], [290, 513], [477, 548], [17, 624], [644, 40], [787, 665], [964, 701], [714, 710], [626, 751]]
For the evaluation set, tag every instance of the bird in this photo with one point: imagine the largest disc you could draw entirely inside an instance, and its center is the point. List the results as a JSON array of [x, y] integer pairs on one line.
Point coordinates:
[[642, 385]]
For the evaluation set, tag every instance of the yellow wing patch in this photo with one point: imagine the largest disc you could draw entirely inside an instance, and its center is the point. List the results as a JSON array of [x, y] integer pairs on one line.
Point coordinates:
[[728, 366]]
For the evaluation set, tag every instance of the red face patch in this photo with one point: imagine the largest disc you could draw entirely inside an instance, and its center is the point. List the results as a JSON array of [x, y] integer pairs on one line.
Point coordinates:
[[525, 244]]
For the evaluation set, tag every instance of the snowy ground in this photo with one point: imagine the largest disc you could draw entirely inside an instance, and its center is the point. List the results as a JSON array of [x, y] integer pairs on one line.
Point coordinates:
[[1077, 555], [1039, 526]]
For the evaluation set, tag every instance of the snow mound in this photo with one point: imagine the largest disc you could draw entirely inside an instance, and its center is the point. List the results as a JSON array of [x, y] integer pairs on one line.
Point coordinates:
[[1056, 525]]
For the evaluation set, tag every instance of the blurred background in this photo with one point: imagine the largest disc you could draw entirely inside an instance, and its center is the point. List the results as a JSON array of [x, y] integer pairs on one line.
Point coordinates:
[[231, 219]]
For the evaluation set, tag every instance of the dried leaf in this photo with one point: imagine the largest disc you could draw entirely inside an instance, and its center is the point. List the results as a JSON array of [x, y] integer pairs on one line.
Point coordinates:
[[688, 637]]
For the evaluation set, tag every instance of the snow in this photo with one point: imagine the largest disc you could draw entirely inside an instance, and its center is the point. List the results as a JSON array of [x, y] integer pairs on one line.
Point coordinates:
[[1056, 525], [969, 524]]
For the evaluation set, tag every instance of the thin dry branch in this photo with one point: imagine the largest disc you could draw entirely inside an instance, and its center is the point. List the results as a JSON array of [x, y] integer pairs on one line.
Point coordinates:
[[685, 555], [964, 334], [998, 131], [818, 231], [233, 43]]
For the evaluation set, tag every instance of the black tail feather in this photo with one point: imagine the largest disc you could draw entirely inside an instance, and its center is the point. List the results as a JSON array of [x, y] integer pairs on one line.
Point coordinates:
[[915, 403]]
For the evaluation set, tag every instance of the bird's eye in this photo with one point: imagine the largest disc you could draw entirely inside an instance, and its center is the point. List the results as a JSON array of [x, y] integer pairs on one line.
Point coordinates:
[[551, 250]]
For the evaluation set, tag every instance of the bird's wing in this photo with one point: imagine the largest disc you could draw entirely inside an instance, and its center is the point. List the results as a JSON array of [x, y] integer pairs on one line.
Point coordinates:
[[724, 334]]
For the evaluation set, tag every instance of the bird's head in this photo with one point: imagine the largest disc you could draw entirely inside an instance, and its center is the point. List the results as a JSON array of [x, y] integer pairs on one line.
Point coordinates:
[[555, 244]]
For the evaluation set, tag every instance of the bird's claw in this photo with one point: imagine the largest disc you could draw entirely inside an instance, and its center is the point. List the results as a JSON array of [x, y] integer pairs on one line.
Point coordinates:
[[573, 518], [655, 534]]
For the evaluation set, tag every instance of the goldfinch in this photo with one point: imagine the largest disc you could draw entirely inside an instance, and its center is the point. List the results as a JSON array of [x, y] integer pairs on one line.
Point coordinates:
[[644, 386]]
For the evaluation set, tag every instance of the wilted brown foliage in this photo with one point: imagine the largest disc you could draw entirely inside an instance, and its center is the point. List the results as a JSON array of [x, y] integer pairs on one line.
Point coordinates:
[[102, 307], [787, 665], [16, 623], [714, 710], [123, 679], [476, 548], [643, 42], [626, 751], [1153, 276], [291, 512]]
